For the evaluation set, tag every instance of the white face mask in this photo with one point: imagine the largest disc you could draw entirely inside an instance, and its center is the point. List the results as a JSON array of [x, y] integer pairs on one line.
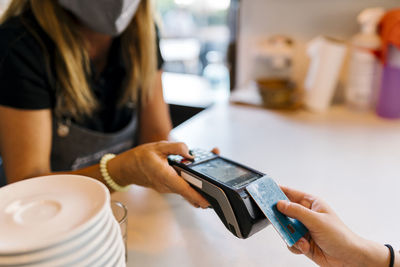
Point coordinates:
[[110, 17]]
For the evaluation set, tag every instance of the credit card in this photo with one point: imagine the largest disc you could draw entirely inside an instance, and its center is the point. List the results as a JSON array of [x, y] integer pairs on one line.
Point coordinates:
[[266, 193]]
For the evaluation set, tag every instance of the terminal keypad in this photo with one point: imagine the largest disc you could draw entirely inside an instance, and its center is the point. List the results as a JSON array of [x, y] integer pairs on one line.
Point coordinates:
[[198, 154]]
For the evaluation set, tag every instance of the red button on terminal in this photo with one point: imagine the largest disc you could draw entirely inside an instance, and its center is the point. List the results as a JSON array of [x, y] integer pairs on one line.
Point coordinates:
[[185, 161]]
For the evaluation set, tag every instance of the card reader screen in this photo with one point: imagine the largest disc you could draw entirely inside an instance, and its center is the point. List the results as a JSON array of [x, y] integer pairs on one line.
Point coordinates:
[[226, 172]]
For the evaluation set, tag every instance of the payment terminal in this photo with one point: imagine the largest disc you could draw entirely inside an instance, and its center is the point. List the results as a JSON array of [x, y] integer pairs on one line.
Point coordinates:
[[223, 183]]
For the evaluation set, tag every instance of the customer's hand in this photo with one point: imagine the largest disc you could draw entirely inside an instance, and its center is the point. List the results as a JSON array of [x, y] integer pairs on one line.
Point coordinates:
[[329, 242], [147, 165]]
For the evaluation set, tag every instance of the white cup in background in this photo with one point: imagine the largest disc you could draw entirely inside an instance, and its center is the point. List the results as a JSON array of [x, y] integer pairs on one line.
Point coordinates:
[[327, 56], [120, 213]]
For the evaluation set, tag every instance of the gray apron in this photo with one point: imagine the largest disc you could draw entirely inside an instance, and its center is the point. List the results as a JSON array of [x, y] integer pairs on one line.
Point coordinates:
[[75, 147]]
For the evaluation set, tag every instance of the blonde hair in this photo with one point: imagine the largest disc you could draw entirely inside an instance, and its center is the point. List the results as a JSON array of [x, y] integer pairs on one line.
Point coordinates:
[[72, 64]]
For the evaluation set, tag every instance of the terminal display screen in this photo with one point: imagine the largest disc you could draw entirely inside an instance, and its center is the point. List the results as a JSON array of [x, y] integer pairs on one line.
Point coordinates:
[[226, 172]]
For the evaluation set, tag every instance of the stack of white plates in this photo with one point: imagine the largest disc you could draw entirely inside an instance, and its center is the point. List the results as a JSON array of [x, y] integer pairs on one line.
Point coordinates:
[[58, 220]]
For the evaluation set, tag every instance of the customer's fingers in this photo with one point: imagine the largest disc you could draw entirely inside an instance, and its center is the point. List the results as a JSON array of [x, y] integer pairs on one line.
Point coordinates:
[[297, 211], [294, 250], [302, 245], [295, 195]]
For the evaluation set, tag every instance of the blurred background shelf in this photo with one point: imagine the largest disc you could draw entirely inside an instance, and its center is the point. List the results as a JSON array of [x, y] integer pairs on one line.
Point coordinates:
[[189, 94]]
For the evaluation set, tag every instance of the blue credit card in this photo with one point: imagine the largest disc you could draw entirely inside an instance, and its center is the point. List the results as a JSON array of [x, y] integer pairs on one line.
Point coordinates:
[[266, 193]]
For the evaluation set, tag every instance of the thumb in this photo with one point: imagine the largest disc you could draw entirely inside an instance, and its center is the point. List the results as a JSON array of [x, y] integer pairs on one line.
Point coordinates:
[[297, 211]]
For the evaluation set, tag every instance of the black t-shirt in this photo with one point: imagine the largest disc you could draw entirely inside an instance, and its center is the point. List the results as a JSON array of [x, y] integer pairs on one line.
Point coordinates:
[[27, 82]]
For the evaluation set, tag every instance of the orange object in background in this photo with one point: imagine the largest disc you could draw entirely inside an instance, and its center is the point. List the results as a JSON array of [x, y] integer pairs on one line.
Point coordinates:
[[388, 104], [389, 29]]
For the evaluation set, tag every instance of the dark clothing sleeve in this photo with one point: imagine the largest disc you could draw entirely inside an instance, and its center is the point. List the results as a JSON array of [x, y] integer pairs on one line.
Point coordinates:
[[23, 80]]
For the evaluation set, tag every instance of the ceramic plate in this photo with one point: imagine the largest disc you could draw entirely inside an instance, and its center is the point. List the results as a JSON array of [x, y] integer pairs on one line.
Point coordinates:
[[109, 256], [100, 243], [40, 212], [95, 254], [60, 249], [118, 258]]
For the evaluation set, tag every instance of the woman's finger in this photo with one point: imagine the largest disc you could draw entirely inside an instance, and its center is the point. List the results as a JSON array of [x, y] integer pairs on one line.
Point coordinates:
[[216, 150], [176, 148], [180, 186]]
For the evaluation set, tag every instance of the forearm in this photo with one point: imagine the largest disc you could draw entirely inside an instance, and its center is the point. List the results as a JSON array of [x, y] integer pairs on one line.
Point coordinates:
[[154, 135], [118, 173], [91, 171], [155, 128], [155, 120]]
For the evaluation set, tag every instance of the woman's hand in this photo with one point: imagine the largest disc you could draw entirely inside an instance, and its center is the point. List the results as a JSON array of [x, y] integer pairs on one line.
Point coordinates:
[[147, 165], [329, 242]]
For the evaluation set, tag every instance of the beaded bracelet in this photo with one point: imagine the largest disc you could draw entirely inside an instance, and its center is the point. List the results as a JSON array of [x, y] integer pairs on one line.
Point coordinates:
[[106, 176]]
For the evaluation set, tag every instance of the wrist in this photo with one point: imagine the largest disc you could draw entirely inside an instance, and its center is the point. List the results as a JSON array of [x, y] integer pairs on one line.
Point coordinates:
[[374, 254], [115, 170]]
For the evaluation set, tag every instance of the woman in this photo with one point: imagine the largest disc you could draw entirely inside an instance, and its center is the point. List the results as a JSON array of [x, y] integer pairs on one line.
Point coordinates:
[[80, 79], [330, 242]]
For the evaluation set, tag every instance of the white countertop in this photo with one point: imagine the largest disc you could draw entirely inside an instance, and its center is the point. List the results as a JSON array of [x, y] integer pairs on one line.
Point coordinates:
[[350, 159]]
